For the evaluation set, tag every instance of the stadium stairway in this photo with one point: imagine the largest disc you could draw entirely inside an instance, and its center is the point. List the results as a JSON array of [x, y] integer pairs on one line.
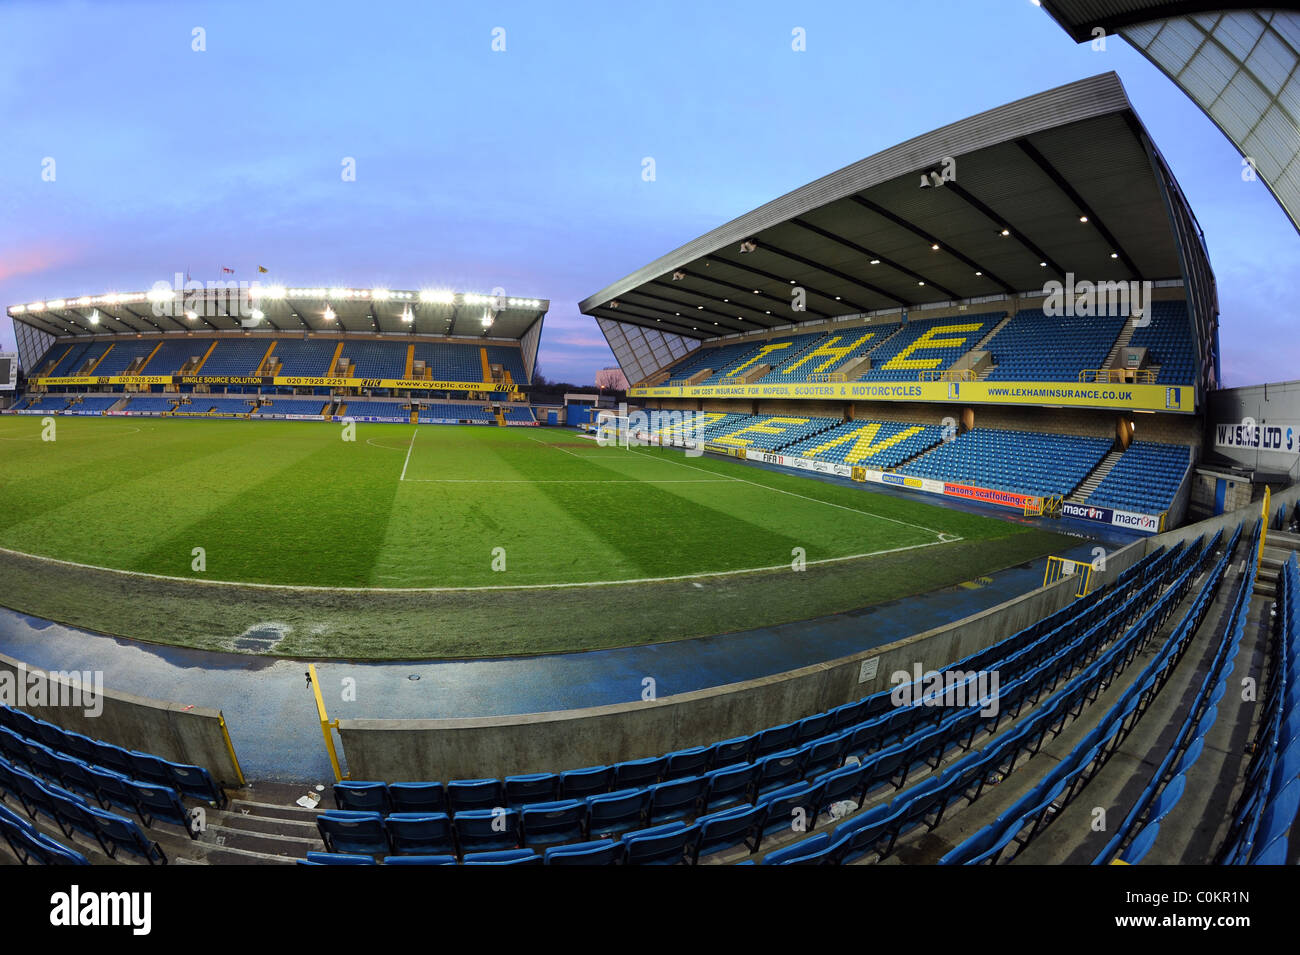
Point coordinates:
[[1098, 474], [1278, 546], [983, 344], [1060, 841], [1125, 336], [1198, 823]]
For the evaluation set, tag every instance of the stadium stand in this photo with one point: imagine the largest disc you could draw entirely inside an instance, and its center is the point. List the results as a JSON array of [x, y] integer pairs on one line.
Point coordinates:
[[375, 359], [510, 360], [146, 404], [1029, 815], [81, 785], [202, 404], [1026, 462], [1145, 478], [171, 356], [519, 413], [304, 357], [92, 404], [1168, 338], [771, 432], [713, 358], [1266, 810], [762, 353], [122, 354], [50, 403], [828, 354], [442, 412], [450, 362], [877, 444], [1037, 347], [79, 357], [237, 357], [928, 345], [675, 808]]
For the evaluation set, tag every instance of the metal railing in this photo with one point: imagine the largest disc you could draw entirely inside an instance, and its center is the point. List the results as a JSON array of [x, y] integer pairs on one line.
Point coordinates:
[[326, 724], [1135, 376], [1058, 567], [948, 374]]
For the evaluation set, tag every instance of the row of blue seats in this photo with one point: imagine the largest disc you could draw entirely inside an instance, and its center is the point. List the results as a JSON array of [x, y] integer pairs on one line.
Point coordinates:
[[1167, 336], [71, 813], [31, 846], [1019, 461], [193, 781], [596, 852], [147, 800], [1146, 477], [574, 823], [854, 728], [1031, 813], [1266, 810], [1034, 346], [878, 830], [670, 804], [449, 361], [1140, 828]]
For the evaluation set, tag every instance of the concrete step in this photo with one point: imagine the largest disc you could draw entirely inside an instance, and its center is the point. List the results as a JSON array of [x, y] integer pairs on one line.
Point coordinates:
[[1095, 477], [266, 842], [1125, 336]]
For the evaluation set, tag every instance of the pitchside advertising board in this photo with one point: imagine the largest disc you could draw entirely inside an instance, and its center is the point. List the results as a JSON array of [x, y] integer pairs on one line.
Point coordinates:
[[291, 381], [1132, 397], [1148, 523], [8, 371]]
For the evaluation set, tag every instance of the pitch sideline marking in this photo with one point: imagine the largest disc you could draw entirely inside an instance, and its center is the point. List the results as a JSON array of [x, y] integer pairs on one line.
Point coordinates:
[[435, 590]]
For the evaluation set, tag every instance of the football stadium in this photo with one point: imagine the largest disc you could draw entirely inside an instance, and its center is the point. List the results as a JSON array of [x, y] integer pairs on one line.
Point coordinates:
[[925, 532]]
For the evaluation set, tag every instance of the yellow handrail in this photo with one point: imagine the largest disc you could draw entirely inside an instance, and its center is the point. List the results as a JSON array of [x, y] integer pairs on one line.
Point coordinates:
[[1263, 529], [1143, 376], [1058, 567], [948, 374], [230, 748], [326, 724]]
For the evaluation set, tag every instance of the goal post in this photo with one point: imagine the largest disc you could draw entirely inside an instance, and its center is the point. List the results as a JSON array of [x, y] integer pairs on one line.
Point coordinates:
[[612, 429]]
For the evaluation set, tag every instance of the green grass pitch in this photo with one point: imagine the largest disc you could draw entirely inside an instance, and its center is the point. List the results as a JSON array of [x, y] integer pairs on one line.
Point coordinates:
[[485, 509]]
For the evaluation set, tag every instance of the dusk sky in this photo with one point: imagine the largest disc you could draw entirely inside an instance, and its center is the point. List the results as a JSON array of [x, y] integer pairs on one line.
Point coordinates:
[[522, 168]]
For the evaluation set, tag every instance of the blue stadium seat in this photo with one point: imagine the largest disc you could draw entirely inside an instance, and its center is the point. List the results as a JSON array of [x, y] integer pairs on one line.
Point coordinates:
[[487, 829], [595, 852], [420, 833], [359, 833], [668, 844]]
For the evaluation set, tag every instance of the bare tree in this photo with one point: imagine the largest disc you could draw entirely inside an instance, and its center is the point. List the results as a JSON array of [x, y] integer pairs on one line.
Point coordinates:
[[612, 379]]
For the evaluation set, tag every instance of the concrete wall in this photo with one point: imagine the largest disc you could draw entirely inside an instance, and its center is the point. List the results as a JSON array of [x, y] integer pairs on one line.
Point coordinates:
[[395, 750], [180, 733], [1226, 521], [1275, 405]]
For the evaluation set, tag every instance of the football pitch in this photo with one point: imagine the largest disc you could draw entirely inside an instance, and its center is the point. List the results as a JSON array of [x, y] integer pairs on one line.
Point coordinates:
[[404, 533]]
